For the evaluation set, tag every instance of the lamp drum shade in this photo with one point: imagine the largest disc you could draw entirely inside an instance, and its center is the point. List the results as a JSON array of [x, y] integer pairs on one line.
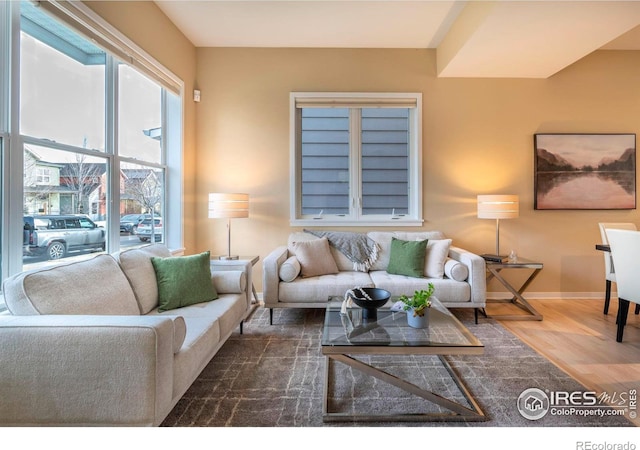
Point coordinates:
[[498, 206], [224, 206]]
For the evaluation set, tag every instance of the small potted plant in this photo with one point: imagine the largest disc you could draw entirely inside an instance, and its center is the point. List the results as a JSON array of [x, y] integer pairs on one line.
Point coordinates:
[[417, 306]]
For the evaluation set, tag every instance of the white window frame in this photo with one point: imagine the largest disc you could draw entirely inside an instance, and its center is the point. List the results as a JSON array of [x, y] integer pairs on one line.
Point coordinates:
[[81, 18], [43, 175], [413, 101]]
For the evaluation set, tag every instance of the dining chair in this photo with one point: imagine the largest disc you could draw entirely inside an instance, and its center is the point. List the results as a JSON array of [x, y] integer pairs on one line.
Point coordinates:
[[610, 275], [625, 248]]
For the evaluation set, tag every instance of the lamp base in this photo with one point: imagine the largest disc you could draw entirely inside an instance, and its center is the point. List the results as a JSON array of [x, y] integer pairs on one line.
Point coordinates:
[[494, 258], [228, 258]]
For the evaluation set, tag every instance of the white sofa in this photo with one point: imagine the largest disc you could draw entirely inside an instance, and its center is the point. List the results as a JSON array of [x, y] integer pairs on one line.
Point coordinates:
[[461, 285], [85, 343]]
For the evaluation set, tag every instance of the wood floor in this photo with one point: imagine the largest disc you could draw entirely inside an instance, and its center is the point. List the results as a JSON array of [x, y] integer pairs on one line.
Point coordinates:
[[577, 337]]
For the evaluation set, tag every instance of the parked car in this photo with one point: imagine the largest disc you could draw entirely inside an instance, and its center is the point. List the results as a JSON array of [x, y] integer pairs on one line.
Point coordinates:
[[144, 229], [129, 223], [56, 235]]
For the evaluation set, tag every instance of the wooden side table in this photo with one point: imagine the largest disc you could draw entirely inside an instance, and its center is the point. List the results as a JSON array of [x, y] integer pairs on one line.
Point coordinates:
[[494, 269], [230, 264]]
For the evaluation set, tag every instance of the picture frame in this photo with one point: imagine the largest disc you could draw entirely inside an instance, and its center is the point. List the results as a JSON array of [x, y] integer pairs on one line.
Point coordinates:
[[584, 171]]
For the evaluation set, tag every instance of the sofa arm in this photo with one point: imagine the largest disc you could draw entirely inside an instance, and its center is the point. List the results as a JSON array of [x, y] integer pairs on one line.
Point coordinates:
[[270, 274], [85, 370], [477, 274]]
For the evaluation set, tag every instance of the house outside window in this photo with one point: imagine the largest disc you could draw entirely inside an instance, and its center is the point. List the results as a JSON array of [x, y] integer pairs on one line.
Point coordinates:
[[356, 159]]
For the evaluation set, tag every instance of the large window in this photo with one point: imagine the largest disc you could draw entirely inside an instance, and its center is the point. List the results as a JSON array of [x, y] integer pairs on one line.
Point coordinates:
[[140, 115], [62, 93], [356, 159], [97, 131], [2, 247]]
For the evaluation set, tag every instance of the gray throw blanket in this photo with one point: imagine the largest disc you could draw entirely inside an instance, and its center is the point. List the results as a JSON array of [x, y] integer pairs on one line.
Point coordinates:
[[361, 250]]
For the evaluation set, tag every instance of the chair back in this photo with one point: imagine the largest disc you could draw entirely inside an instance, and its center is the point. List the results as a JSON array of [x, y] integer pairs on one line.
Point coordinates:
[[625, 250], [608, 263]]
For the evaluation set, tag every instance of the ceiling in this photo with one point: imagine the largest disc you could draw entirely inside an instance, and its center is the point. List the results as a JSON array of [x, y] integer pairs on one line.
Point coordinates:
[[515, 39]]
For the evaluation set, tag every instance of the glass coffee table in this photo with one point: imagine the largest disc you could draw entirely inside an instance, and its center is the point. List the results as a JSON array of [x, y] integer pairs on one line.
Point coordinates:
[[345, 335]]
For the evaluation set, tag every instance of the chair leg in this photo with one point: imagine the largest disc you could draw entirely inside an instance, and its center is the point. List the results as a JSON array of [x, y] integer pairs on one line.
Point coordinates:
[[607, 297], [270, 316], [623, 311]]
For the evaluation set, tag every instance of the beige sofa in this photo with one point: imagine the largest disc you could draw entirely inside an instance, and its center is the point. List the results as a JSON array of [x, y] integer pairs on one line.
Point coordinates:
[[459, 276], [85, 344]]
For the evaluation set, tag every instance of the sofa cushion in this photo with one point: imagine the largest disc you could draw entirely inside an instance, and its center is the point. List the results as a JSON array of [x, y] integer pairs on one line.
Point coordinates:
[[289, 270], [456, 270], [319, 289], [436, 255], [95, 286], [315, 258], [407, 257], [446, 290], [383, 238], [183, 280], [136, 265]]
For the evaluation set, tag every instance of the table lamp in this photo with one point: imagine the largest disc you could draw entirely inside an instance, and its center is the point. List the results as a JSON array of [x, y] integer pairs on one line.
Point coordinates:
[[497, 207], [221, 206]]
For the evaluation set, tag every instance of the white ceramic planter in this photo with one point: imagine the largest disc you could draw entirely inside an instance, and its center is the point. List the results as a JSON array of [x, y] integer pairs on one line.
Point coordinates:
[[418, 321]]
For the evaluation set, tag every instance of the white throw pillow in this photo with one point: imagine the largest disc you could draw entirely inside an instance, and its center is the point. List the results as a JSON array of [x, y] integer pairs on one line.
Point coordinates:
[[229, 281], [137, 267], [437, 252], [456, 270], [315, 258], [290, 269]]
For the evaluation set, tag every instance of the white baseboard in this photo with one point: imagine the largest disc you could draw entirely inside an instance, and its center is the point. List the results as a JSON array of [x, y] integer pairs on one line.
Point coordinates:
[[541, 295], [552, 295]]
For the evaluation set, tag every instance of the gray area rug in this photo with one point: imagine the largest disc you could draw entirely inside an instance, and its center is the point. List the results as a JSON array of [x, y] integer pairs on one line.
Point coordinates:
[[272, 376]]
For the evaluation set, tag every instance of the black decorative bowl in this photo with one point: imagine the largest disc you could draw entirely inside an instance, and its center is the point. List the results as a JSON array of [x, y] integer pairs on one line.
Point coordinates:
[[379, 297]]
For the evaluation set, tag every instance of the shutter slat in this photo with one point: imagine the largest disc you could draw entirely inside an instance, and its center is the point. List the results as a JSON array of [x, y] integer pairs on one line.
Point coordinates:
[[385, 161]]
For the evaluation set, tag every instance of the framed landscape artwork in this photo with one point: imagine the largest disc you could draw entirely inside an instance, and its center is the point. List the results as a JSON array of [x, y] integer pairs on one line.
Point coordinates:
[[585, 171]]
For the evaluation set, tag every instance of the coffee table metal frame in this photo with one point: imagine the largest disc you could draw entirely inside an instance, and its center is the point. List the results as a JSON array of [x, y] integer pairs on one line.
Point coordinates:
[[341, 353]]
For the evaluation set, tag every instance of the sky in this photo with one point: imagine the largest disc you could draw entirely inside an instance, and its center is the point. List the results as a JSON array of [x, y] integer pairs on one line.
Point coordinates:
[[586, 149], [63, 100]]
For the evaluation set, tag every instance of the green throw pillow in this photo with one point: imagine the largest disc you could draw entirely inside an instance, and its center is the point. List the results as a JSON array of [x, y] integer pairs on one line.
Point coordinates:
[[407, 258], [183, 280]]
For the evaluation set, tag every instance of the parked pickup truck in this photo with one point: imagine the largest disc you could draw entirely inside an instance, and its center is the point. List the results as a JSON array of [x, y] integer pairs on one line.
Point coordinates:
[[55, 235]]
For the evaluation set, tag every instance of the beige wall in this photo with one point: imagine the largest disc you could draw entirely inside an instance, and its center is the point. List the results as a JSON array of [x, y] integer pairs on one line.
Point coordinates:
[[478, 139], [146, 25]]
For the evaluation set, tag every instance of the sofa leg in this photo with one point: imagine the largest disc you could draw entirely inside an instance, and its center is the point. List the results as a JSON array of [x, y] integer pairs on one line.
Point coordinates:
[[241, 323], [475, 314], [270, 316]]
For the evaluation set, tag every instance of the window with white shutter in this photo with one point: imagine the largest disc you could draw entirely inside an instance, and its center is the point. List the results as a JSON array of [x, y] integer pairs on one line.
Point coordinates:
[[356, 159]]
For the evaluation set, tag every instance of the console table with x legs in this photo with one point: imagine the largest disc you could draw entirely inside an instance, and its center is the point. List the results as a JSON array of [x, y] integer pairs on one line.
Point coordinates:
[[493, 271]]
